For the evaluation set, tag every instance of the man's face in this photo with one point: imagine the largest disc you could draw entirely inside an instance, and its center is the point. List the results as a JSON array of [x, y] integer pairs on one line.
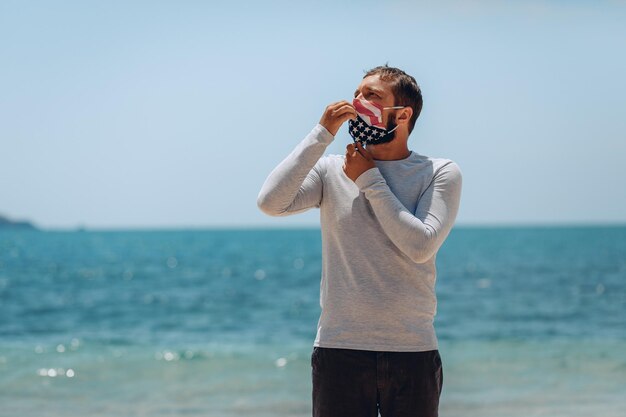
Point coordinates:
[[373, 89]]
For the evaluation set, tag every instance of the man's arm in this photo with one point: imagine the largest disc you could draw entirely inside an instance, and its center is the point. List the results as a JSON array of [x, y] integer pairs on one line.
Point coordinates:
[[295, 185], [418, 235]]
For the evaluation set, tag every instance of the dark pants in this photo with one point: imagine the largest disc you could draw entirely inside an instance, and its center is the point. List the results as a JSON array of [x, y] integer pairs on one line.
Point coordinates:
[[360, 383]]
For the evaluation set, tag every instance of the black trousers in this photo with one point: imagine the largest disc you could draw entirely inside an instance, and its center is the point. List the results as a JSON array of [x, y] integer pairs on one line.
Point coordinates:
[[360, 383]]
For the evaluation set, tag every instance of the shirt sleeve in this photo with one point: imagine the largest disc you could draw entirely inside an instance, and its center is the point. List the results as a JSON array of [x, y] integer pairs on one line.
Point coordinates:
[[296, 185], [418, 235]]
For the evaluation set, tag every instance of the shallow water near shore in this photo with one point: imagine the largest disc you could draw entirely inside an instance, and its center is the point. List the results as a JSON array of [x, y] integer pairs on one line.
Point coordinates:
[[531, 322]]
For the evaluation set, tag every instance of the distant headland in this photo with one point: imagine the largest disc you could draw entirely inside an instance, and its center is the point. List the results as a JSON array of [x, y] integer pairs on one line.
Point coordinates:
[[6, 223]]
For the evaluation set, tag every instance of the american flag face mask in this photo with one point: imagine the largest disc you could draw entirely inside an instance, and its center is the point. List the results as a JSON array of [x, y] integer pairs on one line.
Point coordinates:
[[368, 128]]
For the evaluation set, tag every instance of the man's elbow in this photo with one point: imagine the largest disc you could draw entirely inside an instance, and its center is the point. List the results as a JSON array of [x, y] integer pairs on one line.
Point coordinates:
[[420, 255], [424, 251], [267, 206]]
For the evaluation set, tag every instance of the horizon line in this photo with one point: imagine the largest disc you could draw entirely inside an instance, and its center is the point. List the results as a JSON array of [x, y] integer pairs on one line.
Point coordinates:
[[253, 227]]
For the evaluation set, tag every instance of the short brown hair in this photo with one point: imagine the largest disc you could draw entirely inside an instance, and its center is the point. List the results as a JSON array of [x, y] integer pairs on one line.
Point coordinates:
[[405, 89]]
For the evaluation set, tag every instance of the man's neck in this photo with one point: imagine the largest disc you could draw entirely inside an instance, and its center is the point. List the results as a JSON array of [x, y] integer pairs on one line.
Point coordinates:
[[390, 151]]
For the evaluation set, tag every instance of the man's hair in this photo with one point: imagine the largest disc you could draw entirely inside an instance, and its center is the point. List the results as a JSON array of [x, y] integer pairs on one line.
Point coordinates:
[[405, 89]]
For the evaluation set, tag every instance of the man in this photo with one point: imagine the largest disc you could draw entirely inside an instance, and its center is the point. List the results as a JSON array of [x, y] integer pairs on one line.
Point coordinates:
[[385, 211]]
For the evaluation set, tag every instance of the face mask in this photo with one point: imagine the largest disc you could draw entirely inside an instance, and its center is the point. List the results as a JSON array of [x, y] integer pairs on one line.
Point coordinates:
[[368, 128]]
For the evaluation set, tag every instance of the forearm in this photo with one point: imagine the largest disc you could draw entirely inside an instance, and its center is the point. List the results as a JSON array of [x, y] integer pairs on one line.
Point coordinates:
[[418, 235], [292, 186]]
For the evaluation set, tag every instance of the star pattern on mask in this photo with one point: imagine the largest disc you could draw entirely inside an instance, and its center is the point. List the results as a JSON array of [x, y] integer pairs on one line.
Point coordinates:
[[362, 132]]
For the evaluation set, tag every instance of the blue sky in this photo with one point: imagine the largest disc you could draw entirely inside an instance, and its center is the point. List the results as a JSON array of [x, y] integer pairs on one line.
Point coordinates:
[[171, 114]]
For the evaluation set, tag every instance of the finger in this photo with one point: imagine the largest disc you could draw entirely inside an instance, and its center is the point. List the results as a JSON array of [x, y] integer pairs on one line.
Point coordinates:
[[337, 104], [343, 117], [351, 150], [364, 152], [342, 110]]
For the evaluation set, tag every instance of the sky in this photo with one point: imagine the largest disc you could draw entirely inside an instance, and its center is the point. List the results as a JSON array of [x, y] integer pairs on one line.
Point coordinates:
[[170, 114]]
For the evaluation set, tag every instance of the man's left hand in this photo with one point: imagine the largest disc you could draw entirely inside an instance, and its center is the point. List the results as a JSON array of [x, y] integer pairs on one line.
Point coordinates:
[[358, 160]]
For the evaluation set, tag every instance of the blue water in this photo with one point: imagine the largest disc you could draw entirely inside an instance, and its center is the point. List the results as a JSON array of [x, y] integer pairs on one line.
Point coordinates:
[[531, 322]]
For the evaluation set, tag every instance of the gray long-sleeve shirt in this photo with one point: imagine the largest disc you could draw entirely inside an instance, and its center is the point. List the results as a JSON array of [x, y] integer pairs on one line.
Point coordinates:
[[380, 236]]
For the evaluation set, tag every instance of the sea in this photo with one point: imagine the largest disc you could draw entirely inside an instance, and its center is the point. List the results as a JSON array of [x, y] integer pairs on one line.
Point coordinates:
[[531, 322]]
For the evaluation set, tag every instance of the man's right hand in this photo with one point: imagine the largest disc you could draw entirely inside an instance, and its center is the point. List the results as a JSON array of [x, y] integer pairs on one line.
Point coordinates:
[[336, 114]]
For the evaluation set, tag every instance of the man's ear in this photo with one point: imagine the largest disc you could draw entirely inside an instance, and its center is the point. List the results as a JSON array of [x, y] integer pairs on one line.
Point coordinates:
[[404, 115]]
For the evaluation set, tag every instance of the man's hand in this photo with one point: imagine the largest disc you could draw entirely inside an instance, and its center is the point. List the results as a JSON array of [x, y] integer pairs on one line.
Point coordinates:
[[336, 114], [358, 160]]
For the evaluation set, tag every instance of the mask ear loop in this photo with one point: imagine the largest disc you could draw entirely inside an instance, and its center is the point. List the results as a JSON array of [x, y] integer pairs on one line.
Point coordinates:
[[393, 108]]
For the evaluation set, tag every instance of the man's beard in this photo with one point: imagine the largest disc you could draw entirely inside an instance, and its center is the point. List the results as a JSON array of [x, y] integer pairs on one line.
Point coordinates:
[[391, 123]]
